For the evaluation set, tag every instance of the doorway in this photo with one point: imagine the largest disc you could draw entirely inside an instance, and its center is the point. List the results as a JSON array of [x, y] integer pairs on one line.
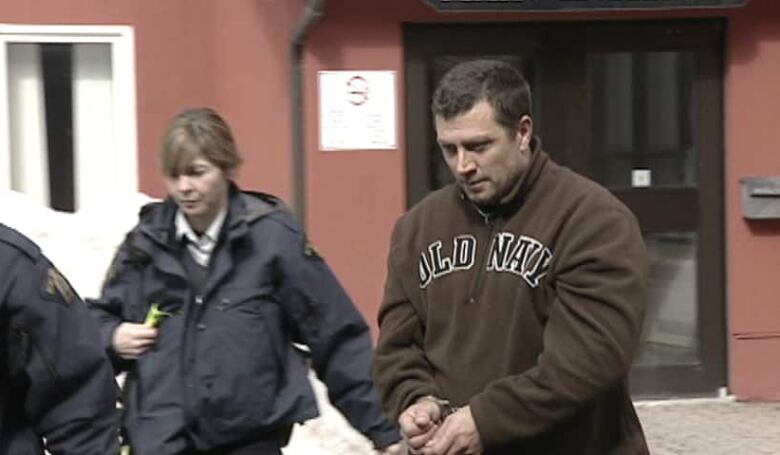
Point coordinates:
[[638, 107]]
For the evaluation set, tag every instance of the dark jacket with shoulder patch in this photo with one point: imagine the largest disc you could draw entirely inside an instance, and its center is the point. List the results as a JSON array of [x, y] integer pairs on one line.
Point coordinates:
[[530, 316], [55, 381], [224, 368]]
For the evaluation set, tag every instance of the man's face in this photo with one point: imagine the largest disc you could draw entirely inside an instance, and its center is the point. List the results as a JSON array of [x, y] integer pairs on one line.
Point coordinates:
[[200, 191], [484, 157]]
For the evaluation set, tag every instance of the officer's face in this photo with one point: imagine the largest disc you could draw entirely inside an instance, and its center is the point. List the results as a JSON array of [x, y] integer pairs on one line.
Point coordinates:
[[485, 159], [200, 190]]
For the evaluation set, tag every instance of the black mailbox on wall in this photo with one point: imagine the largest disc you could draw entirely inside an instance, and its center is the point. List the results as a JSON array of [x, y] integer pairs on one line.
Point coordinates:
[[760, 197]]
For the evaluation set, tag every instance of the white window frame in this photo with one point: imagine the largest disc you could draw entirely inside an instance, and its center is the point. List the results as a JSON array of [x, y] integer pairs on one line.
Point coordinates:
[[121, 39]]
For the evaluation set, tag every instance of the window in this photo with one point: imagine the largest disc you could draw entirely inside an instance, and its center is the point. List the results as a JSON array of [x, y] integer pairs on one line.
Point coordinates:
[[643, 117], [67, 114]]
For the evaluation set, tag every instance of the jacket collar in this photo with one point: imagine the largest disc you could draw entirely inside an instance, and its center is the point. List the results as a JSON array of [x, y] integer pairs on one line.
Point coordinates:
[[244, 208], [519, 191]]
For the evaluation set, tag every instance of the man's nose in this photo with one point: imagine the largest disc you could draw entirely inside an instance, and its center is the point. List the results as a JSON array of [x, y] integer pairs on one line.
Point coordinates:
[[464, 163]]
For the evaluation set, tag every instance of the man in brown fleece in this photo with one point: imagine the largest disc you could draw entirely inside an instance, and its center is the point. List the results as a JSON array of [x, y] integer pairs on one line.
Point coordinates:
[[515, 296]]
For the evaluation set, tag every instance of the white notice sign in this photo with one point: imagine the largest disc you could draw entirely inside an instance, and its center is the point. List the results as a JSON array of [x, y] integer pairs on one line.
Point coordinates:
[[357, 110], [641, 178]]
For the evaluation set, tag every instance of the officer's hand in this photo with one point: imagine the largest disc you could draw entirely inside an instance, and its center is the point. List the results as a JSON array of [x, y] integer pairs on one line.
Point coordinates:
[[457, 435], [419, 423], [131, 340]]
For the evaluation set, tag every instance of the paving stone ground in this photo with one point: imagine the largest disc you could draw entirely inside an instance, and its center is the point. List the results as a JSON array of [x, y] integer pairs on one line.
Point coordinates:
[[672, 427], [711, 427]]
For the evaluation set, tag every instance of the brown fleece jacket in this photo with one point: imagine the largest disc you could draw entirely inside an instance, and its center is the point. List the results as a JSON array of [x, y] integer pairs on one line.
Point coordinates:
[[530, 316]]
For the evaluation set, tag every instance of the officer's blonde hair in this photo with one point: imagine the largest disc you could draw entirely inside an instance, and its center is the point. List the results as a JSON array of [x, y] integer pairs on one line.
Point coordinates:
[[198, 132]]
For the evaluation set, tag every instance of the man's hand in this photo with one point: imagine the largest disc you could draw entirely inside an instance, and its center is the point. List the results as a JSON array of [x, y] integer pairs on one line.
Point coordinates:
[[131, 340], [419, 423], [457, 436]]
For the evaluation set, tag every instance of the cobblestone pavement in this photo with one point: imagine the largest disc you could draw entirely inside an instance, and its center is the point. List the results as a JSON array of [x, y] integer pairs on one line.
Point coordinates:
[[672, 427], [711, 427]]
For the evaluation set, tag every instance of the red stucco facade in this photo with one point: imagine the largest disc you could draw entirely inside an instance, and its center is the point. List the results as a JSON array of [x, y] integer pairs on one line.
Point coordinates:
[[752, 248], [234, 55]]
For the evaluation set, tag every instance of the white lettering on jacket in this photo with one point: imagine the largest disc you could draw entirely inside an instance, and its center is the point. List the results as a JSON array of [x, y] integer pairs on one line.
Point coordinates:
[[521, 255]]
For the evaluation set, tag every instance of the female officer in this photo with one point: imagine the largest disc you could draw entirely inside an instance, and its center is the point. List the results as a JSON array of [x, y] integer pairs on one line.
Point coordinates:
[[240, 284]]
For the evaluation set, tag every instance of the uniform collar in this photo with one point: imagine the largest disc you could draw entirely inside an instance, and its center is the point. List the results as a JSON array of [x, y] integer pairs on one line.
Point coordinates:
[[211, 234]]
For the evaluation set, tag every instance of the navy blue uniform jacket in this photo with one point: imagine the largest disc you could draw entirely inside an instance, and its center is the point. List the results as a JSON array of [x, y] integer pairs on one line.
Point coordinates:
[[55, 381], [224, 368]]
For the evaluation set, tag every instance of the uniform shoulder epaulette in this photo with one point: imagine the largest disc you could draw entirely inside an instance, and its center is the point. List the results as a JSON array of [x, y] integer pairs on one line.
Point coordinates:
[[147, 209], [259, 205], [19, 241]]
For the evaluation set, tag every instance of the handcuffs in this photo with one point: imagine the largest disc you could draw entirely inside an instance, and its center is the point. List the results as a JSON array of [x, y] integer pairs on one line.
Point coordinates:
[[445, 407], [445, 410]]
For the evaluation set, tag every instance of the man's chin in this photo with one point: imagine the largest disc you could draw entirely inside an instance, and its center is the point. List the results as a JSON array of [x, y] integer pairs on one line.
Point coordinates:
[[481, 198]]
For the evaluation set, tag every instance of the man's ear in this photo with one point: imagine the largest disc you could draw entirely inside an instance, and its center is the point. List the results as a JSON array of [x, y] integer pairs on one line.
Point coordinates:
[[525, 131]]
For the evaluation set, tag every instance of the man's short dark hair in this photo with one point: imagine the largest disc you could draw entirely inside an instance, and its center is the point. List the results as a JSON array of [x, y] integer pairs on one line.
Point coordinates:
[[497, 82]]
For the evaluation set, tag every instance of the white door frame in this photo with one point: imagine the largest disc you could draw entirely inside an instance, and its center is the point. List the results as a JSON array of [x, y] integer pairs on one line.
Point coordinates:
[[121, 40]]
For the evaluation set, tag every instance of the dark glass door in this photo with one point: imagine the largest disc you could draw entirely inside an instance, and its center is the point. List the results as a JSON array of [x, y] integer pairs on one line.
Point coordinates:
[[636, 106]]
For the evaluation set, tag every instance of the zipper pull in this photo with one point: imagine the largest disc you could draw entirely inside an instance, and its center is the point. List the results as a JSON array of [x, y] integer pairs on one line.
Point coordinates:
[[485, 215]]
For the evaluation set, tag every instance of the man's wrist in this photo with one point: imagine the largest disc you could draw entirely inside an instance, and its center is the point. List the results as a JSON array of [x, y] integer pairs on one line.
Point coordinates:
[[445, 407]]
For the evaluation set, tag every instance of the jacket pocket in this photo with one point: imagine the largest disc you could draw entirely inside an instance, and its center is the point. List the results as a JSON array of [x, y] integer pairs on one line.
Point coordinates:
[[245, 353], [155, 376]]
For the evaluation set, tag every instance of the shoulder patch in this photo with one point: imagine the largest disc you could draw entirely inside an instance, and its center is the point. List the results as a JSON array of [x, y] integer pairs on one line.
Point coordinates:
[[19, 241], [56, 288]]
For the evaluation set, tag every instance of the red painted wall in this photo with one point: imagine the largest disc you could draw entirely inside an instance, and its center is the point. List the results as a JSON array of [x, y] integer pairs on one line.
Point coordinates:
[[250, 61], [753, 248], [230, 54]]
